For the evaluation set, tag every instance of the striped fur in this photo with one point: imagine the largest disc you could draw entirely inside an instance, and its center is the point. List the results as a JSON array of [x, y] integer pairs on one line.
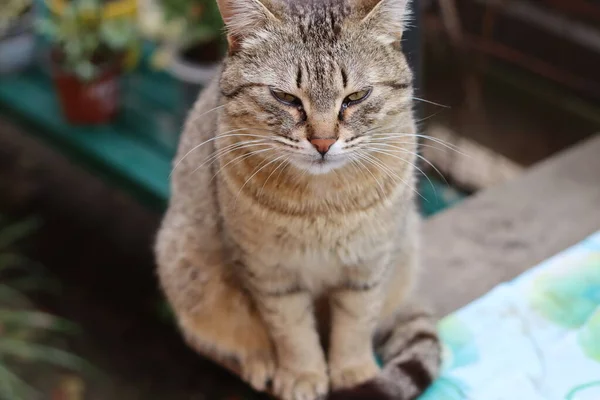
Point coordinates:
[[269, 248]]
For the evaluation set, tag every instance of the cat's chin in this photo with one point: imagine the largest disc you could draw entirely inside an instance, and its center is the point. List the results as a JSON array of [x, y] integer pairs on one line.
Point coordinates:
[[319, 166]]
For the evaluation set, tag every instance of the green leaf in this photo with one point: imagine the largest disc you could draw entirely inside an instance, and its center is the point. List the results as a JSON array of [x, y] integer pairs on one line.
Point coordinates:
[[11, 296], [36, 320], [69, 13], [14, 388], [47, 28], [41, 353], [12, 262], [38, 283], [90, 42], [17, 231], [85, 70], [117, 33], [74, 49], [88, 6]]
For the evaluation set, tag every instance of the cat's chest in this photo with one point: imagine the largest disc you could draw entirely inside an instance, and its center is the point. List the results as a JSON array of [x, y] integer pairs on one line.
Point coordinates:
[[330, 242]]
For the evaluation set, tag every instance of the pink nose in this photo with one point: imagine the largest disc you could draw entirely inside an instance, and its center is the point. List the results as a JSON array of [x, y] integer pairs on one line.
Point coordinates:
[[322, 145]]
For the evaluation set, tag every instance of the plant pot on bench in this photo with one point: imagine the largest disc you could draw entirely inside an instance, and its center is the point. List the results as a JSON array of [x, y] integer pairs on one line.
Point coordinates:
[[88, 101], [88, 53]]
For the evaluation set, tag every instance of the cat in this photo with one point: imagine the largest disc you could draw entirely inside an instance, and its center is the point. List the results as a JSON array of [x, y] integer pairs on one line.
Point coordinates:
[[289, 249]]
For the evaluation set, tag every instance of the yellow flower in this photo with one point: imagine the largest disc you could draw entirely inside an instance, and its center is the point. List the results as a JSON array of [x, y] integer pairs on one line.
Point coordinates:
[[161, 59]]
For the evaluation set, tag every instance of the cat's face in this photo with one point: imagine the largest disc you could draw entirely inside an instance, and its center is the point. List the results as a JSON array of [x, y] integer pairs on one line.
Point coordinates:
[[325, 82]]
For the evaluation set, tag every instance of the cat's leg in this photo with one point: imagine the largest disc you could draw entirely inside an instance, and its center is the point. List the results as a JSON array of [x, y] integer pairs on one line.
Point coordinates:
[[405, 340], [301, 370], [355, 309], [217, 318], [230, 332], [222, 325], [409, 348]]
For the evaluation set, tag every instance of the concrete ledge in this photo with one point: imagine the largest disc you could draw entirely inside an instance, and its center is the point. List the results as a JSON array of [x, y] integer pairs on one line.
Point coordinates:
[[501, 232]]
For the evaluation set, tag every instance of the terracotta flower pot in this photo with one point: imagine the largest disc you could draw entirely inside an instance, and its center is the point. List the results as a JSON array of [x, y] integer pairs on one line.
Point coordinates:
[[89, 102]]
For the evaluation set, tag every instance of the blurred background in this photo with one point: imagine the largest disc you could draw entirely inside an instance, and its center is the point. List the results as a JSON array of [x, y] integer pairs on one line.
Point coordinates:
[[93, 95]]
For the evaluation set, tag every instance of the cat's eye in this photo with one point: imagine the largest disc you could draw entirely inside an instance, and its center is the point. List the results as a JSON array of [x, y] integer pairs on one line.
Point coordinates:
[[357, 97], [286, 98]]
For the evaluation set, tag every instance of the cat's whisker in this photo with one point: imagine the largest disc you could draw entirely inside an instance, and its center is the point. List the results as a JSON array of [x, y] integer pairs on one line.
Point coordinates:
[[360, 167], [223, 152], [220, 136], [427, 117], [359, 160], [403, 150], [426, 137], [196, 118], [386, 169], [384, 152], [231, 148], [287, 164], [391, 130], [271, 174], [431, 102], [391, 139], [380, 165], [253, 175], [239, 159], [378, 129], [385, 127], [396, 144]]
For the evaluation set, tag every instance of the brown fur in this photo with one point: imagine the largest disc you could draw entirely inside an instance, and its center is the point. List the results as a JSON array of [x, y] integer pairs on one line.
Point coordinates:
[[261, 227]]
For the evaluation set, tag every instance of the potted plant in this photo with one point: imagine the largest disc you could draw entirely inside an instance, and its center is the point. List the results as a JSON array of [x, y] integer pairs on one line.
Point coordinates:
[[87, 54], [194, 42], [110, 9], [17, 39]]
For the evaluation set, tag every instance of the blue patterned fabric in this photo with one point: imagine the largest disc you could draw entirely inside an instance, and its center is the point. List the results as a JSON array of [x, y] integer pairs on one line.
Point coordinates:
[[535, 338]]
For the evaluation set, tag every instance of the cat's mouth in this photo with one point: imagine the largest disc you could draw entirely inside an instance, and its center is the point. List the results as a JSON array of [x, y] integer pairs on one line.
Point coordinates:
[[320, 165]]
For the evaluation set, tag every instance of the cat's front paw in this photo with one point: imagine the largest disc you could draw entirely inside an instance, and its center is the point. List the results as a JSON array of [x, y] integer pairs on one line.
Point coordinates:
[[258, 369], [345, 377], [300, 385]]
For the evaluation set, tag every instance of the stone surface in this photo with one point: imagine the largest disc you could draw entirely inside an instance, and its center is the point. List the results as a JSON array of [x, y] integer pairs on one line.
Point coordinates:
[[501, 232]]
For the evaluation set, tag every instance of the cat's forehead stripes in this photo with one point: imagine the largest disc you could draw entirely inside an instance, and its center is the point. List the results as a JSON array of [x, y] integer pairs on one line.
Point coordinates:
[[319, 21], [320, 84], [318, 27]]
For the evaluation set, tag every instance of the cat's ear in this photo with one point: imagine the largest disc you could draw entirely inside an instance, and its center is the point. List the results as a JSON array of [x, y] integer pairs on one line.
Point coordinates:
[[387, 18], [243, 17]]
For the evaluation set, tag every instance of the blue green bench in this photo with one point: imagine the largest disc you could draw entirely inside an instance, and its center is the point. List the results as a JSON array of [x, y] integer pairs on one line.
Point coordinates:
[[134, 151]]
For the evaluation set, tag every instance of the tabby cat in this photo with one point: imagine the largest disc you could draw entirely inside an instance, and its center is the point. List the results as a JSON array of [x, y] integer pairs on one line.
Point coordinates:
[[290, 246]]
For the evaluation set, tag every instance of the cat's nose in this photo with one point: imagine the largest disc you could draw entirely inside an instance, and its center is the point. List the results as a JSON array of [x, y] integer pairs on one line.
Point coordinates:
[[322, 145]]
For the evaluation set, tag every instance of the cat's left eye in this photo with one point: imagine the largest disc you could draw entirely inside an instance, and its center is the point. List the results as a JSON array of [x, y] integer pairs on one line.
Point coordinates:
[[357, 96], [286, 98]]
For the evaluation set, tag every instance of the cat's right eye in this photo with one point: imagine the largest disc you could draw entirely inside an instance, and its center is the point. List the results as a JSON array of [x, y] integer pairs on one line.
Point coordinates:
[[286, 98]]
